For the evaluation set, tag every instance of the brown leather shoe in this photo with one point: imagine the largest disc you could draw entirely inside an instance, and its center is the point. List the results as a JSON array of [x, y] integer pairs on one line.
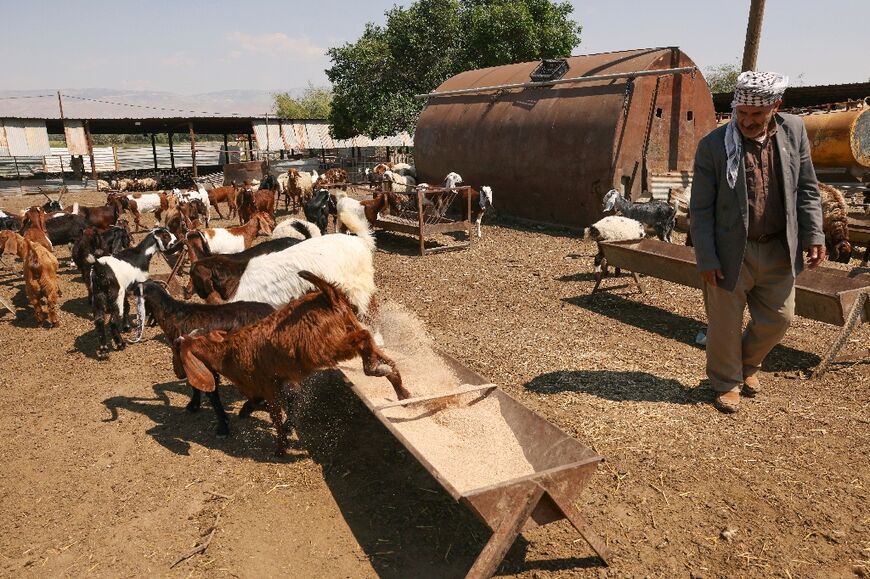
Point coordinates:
[[751, 386], [727, 402]]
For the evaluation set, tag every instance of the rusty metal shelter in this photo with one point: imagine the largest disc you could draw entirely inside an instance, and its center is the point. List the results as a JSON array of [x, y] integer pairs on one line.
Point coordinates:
[[550, 150]]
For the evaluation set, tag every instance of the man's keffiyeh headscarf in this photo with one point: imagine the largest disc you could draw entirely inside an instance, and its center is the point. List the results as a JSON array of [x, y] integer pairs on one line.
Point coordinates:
[[757, 89]]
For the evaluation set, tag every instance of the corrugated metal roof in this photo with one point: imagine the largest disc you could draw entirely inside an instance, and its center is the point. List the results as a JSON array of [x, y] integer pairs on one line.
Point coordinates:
[[318, 136], [76, 140], [268, 136], [26, 137]]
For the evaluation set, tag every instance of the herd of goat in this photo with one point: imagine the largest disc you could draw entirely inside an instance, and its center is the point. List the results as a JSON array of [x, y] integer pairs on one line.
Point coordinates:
[[272, 313], [276, 311]]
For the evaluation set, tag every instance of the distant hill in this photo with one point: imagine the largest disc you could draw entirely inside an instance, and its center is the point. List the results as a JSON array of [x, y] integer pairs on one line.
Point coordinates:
[[135, 103]]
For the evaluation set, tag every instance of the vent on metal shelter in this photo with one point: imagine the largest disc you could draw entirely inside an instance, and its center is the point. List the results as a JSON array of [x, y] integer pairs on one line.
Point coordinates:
[[550, 69]]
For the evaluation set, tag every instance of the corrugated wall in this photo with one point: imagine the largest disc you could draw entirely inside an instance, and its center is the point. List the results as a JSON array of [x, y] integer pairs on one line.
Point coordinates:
[[76, 140], [26, 137]]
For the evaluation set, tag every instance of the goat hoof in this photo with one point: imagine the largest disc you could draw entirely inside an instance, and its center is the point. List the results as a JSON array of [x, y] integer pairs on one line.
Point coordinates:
[[103, 354]]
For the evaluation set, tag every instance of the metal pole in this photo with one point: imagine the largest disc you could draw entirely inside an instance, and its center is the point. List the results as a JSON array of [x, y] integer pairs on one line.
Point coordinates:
[[753, 35], [598, 77], [226, 150], [60, 106], [250, 147], [90, 142], [171, 152], [154, 149], [192, 148]]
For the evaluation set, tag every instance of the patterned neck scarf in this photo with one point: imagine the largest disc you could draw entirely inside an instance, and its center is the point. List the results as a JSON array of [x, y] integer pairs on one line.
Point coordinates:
[[757, 89]]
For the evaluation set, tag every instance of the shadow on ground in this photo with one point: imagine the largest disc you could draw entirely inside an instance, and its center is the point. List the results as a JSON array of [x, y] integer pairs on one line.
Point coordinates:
[[681, 328], [637, 386]]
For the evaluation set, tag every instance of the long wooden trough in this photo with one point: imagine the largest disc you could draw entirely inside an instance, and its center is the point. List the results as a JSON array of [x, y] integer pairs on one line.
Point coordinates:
[[508, 465], [824, 294]]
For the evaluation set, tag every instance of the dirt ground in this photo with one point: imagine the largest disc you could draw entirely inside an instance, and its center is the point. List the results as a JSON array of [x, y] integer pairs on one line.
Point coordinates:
[[105, 474]]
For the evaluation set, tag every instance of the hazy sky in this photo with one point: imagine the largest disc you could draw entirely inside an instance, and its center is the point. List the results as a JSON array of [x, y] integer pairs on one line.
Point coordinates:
[[191, 46]]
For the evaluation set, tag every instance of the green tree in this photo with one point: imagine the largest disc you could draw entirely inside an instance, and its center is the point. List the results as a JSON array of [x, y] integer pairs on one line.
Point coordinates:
[[375, 78], [722, 77], [314, 103]]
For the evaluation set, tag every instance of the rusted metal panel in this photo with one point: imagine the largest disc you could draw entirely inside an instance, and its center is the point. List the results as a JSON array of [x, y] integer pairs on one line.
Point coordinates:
[[27, 137], [840, 138], [76, 139], [268, 136], [551, 153], [241, 172], [821, 294]]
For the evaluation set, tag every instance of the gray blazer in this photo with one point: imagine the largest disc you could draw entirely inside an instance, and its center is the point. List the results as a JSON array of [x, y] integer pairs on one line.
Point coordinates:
[[719, 215]]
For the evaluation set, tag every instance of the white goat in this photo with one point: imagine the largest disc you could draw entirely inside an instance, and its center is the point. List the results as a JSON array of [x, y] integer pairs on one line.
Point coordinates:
[[296, 229], [612, 228], [400, 183], [344, 260]]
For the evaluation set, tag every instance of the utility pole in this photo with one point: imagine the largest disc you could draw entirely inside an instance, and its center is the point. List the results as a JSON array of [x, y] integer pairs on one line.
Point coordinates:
[[753, 35], [60, 106]]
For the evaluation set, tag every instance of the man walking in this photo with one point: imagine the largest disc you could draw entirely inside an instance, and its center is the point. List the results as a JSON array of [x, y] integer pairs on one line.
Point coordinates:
[[754, 208]]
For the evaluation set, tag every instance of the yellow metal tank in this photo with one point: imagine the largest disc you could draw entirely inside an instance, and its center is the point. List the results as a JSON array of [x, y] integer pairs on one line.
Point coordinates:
[[840, 138]]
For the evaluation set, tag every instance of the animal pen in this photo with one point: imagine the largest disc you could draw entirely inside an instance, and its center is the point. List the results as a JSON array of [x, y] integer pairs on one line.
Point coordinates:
[[552, 138], [824, 294]]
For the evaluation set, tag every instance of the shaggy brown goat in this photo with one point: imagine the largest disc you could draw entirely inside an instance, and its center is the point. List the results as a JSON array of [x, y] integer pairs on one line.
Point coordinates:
[[315, 331]]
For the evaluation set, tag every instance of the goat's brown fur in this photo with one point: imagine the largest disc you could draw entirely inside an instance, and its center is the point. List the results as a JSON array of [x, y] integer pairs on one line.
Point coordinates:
[[40, 280], [226, 194], [315, 331], [36, 232], [835, 223]]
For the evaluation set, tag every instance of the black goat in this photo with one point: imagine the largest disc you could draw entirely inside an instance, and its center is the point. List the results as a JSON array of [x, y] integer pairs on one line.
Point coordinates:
[[112, 277], [61, 230], [318, 209], [659, 215], [177, 318]]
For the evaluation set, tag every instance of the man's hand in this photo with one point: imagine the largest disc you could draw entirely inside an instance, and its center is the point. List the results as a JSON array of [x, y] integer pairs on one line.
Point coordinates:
[[710, 277], [815, 255]]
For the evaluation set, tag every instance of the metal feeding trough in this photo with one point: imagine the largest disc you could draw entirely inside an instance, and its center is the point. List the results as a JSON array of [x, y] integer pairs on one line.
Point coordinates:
[[533, 478], [824, 294]]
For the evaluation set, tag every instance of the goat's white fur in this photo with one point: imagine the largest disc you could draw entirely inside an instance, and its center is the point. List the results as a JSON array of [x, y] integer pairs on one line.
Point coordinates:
[[147, 203], [617, 228], [400, 183], [221, 241], [452, 180], [286, 229], [404, 169], [349, 208], [344, 260]]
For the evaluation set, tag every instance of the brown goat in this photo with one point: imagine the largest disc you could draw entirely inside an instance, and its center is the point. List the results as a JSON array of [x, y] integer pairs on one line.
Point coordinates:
[[315, 331], [332, 177], [835, 223], [36, 233], [40, 274], [226, 195]]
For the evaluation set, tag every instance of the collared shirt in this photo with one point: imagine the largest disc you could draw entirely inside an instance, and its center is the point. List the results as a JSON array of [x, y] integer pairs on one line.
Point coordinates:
[[764, 185]]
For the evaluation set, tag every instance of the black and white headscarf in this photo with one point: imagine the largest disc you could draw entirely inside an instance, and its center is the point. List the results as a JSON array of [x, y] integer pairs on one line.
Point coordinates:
[[757, 89]]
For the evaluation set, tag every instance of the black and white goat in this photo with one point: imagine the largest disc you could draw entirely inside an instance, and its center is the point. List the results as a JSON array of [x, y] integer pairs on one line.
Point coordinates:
[[655, 214], [93, 244], [112, 277]]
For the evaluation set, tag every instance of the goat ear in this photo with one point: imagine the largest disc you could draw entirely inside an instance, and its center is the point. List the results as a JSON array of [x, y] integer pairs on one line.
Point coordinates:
[[198, 375], [217, 335]]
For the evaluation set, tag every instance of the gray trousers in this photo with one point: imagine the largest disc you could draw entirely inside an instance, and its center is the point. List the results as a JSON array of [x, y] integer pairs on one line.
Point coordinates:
[[766, 285]]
